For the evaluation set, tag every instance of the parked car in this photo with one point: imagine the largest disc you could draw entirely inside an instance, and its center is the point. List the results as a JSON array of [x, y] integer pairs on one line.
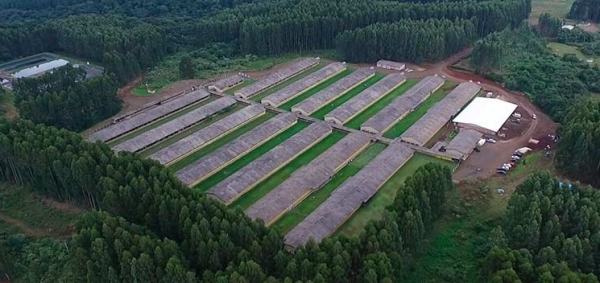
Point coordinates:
[[502, 172], [534, 117], [517, 153], [515, 157]]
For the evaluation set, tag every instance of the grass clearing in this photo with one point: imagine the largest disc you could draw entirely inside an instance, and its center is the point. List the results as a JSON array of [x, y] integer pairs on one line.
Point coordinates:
[[161, 121], [557, 8], [307, 206], [259, 96], [203, 124], [242, 85], [385, 196], [274, 180], [382, 103], [249, 157], [7, 104], [320, 114], [288, 105], [403, 125], [220, 142], [561, 49]]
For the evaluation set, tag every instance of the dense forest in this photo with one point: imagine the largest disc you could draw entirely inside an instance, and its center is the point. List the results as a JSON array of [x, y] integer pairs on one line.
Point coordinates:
[[585, 10], [155, 227]]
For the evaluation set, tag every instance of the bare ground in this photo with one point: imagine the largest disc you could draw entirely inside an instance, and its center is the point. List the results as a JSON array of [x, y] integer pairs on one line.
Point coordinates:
[[33, 232]]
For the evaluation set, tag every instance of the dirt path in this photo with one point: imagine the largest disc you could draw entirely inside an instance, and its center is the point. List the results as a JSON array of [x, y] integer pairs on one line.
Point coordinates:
[[25, 229], [63, 206]]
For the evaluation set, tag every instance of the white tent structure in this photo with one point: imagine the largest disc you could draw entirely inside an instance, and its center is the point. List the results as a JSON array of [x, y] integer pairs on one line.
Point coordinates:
[[485, 114]]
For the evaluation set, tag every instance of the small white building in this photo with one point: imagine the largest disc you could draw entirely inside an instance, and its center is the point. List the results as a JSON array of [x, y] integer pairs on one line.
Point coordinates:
[[391, 65], [568, 27]]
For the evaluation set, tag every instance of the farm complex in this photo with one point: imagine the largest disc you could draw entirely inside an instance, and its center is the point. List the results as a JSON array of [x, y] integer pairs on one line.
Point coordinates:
[[282, 148]]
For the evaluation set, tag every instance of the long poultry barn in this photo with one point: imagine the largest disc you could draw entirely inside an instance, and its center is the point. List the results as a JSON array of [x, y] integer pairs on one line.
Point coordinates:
[[402, 106], [276, 78], [332, 92], [439, 115], [308, 179], [145, 117], [349, 197], [227, 83], [297, 88], [205, 136], [363, 100], [261, 168], [194, 173], [175, 126]]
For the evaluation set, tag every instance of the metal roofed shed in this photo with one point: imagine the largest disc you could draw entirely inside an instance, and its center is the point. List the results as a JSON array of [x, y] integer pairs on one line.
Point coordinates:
[[276, 78], [145, 117], [205, 136], [332, 92], [463, 143], [391, 65], [175, 126], [261, 168], [227, 83], [308, 179], [363, 100], [402, 105], [439, 115], [349, 196], [295, 89], [485, 114], [236, 149]]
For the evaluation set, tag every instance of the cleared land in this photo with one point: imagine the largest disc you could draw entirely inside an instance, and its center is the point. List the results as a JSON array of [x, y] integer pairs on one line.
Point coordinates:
[[561, 49], [311, 92], [401, 127], [308, 205], [385, 196], [377, 106], [557, 8]]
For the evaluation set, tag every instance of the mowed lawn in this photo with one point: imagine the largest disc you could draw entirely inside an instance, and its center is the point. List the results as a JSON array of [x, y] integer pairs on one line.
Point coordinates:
[[287, 82], [281, 175], [249, 157], [237, 87], [288, 105], [162, 120], [385, 196], [403, 125], [294, 217], [320, 114], [220, 142], [382, 103]]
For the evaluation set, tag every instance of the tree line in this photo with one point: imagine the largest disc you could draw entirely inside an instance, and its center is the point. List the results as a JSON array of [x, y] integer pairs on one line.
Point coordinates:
[[152, 226], [585, 10]]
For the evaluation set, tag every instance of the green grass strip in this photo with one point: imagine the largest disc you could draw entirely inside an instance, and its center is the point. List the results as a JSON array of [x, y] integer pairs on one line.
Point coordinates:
[[205, 123], [288, 105], [383, 102], [248, 158], [285, 83], [237, 87], [374, 209], [401, 127], [274, 180], [320, 114], [307, 206], [220, 142], [162, 121]]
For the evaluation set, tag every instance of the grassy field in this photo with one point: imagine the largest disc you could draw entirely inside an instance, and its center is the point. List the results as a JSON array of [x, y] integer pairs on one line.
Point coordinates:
[[249, 157], [383, 102], [403, 125], [288, 82], [161, 121], [320, 114], [557, 8], [294, 217], [237, 87], [561, 49], [174, 138], [288, 105], [274, 180], [386, 194], [219, 142], [7, 105]]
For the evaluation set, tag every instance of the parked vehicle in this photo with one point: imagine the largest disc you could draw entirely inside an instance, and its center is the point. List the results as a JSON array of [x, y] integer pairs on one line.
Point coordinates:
[[502, 172], [491, 140], [519, 154]]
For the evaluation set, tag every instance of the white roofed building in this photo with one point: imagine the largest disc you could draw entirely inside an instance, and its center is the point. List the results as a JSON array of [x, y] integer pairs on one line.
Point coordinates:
[[486, 115]]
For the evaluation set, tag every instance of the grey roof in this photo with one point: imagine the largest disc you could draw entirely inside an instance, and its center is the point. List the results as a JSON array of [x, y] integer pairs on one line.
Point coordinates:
[[402, 105], [390, 64], [319, 99], [438, 115], [228, 82], [348, 197], [289, 92], [277, 77], [148, 116], [307, 179], [357, 104], [463, 143], [232, 151], [207, 135], [261, 168], [175, 126]]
